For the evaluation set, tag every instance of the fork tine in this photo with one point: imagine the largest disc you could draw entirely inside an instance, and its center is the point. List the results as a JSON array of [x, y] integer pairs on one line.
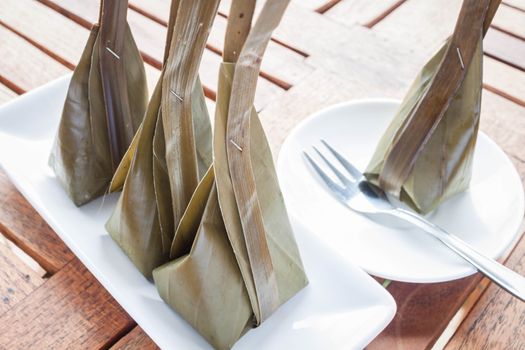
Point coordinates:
[[356, 174], [345, 180], [324, 176]]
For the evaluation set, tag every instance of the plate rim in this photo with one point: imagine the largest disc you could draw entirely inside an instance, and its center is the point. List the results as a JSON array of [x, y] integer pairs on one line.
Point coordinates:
[[470, 270]]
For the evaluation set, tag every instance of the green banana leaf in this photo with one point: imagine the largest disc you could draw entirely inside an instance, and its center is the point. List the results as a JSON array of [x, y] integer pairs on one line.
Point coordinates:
[[444, 166], [172, 150], [81, 156], [142, 222], [208, 280]]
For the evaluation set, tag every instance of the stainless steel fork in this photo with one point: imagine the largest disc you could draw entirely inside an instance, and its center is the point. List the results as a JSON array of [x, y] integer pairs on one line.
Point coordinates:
[[354, 191]]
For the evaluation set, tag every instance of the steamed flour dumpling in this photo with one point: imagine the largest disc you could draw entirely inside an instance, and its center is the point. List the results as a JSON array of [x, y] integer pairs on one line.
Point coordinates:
[[425, 156], [104, 106]]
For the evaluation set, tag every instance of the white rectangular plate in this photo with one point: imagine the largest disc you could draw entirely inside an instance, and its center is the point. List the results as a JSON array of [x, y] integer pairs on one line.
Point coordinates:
[[342, 307]]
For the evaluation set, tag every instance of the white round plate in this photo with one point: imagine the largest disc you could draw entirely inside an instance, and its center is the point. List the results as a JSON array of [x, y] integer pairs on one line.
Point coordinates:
[[487, 216]]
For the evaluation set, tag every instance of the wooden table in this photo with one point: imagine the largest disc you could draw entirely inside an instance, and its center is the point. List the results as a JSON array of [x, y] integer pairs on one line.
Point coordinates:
[[325, 51]]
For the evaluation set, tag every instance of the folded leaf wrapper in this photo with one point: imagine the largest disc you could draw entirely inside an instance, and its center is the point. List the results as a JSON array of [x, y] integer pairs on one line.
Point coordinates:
[[82, 156], [135, 223], [209, 280], [212, 279], [442, 166], [172, 150]]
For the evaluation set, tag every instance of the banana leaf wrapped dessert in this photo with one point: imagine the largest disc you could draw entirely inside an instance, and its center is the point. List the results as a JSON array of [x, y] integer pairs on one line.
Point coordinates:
[[104, 107], [234, 259], [425, 156], [172, 150]]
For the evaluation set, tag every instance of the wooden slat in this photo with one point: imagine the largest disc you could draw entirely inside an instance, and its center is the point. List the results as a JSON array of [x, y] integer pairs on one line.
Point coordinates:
[[17, 280], [507, 81], [63, 39], [423, 312], [86, 11], [150, 39], [26, 259], [355, 74], [344, 72], [39, 23], [157, 10], [422, 27], [517, 4], [71, 310], [308, 31], [326, 87], [363, 12], [321, 89], [135, 340], [327, 6], [505, 48], [497, 320], [224, 7], [285, 66], [21, 224], [6, 94], [312, 4], [322, 37], [504, 122], [510, 20], [25, 66]]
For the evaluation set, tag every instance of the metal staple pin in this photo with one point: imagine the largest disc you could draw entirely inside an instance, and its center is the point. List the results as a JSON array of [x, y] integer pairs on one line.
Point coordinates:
[[460, 58], [113, 53], [236, 145], [176, 95]]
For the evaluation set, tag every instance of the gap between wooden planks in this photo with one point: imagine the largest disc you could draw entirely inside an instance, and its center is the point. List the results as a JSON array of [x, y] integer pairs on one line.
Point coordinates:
[[510, 20]]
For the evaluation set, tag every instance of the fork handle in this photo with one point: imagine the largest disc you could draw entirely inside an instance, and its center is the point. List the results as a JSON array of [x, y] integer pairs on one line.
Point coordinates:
[[504, 277]]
